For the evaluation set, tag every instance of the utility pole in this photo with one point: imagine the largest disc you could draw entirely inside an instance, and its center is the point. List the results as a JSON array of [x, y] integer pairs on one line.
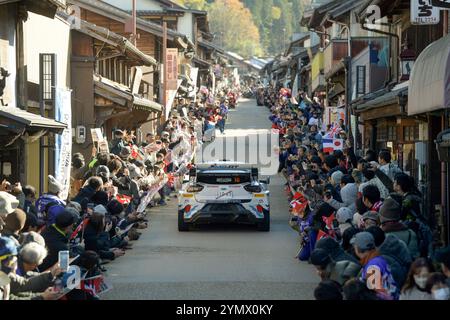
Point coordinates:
[[164, 57], [134, 35]]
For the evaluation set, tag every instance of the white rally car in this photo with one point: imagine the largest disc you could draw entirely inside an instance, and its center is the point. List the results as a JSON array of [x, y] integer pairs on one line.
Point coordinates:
[[224, 192]]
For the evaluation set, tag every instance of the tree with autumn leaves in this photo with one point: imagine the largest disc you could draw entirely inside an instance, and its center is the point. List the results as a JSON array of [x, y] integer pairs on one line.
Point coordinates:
[[252, 27], [233, 27]]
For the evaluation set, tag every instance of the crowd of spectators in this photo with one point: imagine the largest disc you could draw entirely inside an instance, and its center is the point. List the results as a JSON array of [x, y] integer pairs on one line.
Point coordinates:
[[360, 218], [105, 210]]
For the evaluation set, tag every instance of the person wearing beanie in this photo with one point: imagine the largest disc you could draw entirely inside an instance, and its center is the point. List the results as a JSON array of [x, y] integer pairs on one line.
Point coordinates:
[[57, 237], [8, 203], [52, 196], [344, 217], [328, 269], [390, 216], [54, 186], [371, 219], [336, 178], [75, 205], [348, 192], [53, 212], [376, 272], [14, 223]]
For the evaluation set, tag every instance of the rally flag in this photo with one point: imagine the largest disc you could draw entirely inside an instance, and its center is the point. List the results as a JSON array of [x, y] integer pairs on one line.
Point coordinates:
[[329, 221], [80, 227], [123, 199], [95, 285], [299, 196], [298, 206], [321, 235], [329, 145]]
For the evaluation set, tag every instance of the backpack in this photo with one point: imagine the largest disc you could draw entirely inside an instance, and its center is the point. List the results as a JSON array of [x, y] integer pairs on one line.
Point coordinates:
[[424, 236]]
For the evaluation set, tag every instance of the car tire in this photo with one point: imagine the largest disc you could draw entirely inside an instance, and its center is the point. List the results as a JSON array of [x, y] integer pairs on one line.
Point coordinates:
[[182, 225], [264, 225]]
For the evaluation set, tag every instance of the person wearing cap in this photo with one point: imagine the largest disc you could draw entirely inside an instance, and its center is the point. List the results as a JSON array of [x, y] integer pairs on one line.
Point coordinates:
[[8, 203], [118, 142], [390, 217], [57, 237], [376, 272], [52, 196], [344, 217], [370, 219], [442, 256], [329, 269], [14, 223]]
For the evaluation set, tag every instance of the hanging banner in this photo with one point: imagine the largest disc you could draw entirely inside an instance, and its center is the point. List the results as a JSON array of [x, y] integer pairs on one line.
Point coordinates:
[[99, 140], [171, 94], [194, 76], [423, 13], [63, 142], [172, 68]]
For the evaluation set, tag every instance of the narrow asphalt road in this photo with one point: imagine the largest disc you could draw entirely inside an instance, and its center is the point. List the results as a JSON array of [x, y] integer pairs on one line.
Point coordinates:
[[231, 262]]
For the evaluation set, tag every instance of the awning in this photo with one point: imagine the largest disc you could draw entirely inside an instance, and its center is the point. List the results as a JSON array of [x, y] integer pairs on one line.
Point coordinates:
[[200, 62], [389, 98], [122, 95], [15, 119], [122, 46], [430, 79]]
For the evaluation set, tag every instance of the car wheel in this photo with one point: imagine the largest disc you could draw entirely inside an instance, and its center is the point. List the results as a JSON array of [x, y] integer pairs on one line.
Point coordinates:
[[264, 225], [182, 225]]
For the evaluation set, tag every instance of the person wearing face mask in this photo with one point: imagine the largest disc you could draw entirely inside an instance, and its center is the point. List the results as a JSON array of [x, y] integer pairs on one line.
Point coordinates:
[[438, 287], [416, 281]]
